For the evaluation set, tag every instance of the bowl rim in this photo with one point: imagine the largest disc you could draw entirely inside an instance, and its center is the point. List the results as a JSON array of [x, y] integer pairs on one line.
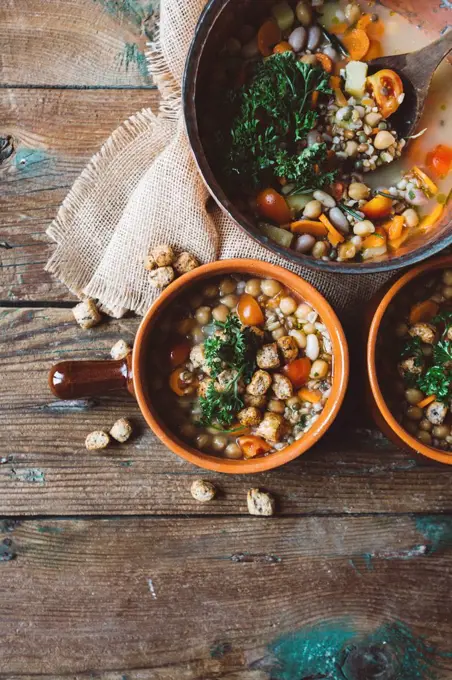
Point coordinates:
[[209, 14], [302, 289], [383, 408]]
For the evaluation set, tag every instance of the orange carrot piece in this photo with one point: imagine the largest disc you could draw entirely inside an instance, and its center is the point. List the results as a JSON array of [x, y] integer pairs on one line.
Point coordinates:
[[394, 227], [325, 61], [373, 241], [253, 446], [339, 28], [426, 401], [313, 396], [374, 29], [423, 311], [309, 227], [341, 99], [426, 181], [397, 242], [357, 43], [314, 99], [375, 50], [377, 207], [281, 47], [433, 218], [335, 81], [334, 236], [268, 36]]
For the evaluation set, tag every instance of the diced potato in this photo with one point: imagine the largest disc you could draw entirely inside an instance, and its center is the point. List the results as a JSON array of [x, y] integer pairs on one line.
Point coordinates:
[[356, 74], [279, 236]]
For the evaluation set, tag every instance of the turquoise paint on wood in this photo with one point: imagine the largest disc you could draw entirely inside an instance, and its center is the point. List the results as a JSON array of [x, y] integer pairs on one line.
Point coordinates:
[[132, 55], [140, 13], [436, 530], [32, 162]]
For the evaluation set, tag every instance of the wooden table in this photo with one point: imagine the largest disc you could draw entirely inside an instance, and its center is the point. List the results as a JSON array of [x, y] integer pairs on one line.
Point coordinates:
[[109, 569]]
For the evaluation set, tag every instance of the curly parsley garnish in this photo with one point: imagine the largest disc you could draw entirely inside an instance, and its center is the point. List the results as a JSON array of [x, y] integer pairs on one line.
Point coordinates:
[[232, 348], [413, 348], [437, 379], [273, 115]]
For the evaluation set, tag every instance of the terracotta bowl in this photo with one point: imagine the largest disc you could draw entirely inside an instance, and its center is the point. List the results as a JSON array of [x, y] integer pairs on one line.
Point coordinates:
[[381, 412], [218, 22], [69, 380]]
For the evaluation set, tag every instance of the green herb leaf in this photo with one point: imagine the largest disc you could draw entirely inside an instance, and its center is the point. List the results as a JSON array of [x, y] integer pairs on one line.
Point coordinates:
[[413, 348], [442, 352], [436, 381]]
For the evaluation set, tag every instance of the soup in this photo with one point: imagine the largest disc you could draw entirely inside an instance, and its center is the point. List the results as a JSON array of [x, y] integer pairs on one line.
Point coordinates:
[[303, 138], [417, 335], [243, 367]]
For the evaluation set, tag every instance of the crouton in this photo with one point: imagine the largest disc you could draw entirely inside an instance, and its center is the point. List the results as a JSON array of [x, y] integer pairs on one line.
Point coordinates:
[[409, 365], [161, 277], [163, 255], [202, 490], [271, 427], [97, 440], [225, 378], [249, 417], [120, 350], [121, 430], [198, 358], [259, 401], [260, 503], [436, 412], [149, 263], [202, 387], [267, 357], [185, 263], [425, 331], [260, 382], [86, 314], [282, 387], [288, 348]]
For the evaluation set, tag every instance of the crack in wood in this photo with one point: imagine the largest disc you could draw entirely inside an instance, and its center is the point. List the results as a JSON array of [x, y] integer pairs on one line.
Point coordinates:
[[69, 406], [259, 558]]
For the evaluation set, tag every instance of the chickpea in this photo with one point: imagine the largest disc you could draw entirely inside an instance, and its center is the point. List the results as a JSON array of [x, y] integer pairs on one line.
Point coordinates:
[[447, 292], [303, 311], [320, 250], [230, 301], [210, 291], [425, 425], [312, 210], [227, 286], [441, 431], [288, 306], [276, 406], [427, 350], [319, 369], [195, 301], [197, 335], [253, 287], [188, 430], [364, 228], [293, 402], [233, 451], [401, 330], [424, 437], [410, 426], [358, 191], [309, 328], [185, 326], [278, 333], [414, 413], [270, 287], [220, 313], [299, 337], [203, 441], [304, 13], [203, 315], [413, 396], [447, 277], [219, 442]]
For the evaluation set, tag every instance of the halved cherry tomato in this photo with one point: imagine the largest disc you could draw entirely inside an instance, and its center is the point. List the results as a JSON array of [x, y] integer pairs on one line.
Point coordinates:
[[249, 311], [298, 371], [377, 207], [273, 206], [268, 35], [253, 446], [179, 353], [386, 89], [178, 386], [440, 160]]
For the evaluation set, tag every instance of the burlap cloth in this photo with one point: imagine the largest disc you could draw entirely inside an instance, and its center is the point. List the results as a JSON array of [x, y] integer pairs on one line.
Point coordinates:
[[143, 189]]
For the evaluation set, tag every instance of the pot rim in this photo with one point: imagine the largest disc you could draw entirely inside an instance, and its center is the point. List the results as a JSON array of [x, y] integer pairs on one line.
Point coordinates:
[[302, 289], [383, 409], [210, 13]]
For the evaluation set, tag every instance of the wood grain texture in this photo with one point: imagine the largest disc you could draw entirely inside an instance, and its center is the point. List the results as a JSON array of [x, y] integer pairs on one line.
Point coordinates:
[[55, 133], [76, 42], [353, 469], [191, 600]]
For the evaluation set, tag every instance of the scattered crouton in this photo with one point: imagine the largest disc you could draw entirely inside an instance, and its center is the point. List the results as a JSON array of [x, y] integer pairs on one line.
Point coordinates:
[[121, 430], [86, 314], [425, 331], [288, 348], [260, 382], [97, 440], [249, 417], [272, 427], [282, 387], [267, 357], [163, 255], [120, 350], [161, 277], [202, 490], [149, 263], [185, 263], [260, 503]]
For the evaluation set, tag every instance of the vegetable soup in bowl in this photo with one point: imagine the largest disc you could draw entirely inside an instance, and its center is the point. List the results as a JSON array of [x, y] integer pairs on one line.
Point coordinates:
[[242, 366], [410, 360], [296, 138]]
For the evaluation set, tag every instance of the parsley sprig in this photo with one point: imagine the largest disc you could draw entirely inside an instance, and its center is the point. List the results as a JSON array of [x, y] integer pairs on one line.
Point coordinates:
[[437, 379], [273, 114]]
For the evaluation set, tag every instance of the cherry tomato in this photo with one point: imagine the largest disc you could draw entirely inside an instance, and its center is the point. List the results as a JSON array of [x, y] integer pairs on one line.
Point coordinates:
[[253, 446], [249, 312], [440, 160], [298, 371], [273, 206], [178, 386], [268, 35], [386, 89], [179, 353]]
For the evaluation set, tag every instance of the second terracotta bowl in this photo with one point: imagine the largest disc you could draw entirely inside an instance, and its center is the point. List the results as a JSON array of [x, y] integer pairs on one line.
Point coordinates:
[[381, 412], [69, 380]]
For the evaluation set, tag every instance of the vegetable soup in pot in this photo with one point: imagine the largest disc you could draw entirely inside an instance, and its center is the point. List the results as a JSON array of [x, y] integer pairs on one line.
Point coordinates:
[[302, 135], [241, 367]]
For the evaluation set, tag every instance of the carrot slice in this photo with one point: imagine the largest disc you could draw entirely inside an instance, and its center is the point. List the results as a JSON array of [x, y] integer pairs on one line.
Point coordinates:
[[325, 61], [373, 241], [375, 50], [423, 311], [309, 227], [334, 236], [394, 227], [374, 29], [357, 43], [433, 218], [268, 36], [377, 207], [339, 28], [397, 242], [426, 181], [313, 396], [341, 99], [281, 47], [426, 401], [335, 81]]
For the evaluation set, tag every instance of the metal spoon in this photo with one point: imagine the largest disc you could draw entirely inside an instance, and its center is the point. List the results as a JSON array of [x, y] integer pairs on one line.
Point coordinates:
[[415, 70]]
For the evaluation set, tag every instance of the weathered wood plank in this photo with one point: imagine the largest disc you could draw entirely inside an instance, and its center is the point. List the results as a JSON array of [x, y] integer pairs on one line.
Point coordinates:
[[55, 133], [208, 598], [76, 42], [353, 470]]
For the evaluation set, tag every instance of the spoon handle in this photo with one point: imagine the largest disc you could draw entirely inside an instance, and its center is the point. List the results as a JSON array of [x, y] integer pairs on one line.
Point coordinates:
[[422, 64]]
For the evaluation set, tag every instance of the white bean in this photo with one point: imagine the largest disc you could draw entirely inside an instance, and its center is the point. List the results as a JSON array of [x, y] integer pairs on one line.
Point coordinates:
[[312, 210], [319, 369], [312, 347], [358, 191], [299, 337], [303, 311], [411, 217], [384, 140], [287, 306], [297, 39], [325, 199], [304, 243], [363, 228], [339, 220]]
